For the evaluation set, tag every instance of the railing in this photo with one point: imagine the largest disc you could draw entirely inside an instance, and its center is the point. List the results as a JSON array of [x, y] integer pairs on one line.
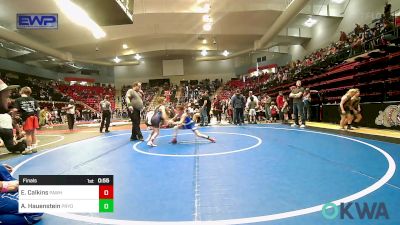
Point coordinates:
[[77, 102]]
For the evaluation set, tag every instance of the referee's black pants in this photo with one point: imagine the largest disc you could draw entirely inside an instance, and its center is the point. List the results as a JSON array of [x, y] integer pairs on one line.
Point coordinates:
[[71, 121], [105, 117]]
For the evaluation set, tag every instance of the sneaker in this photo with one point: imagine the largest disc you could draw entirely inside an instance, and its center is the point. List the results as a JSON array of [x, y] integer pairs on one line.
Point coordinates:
[[107, 131], [151, 144], [33, 148], [27, 151], [294, 125], [213, 140], [303, 126], [174, 141]]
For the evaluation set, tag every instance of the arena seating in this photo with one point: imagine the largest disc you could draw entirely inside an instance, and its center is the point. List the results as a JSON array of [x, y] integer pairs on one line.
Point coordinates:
[[90, 95], [376, 78]]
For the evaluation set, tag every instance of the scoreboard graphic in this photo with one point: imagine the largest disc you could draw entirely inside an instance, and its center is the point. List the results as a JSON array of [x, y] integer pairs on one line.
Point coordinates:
[[66, 193]]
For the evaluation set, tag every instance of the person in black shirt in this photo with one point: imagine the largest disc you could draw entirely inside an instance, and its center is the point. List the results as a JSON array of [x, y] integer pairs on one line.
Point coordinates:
[[6, 122], [28, 107], [205, 106]]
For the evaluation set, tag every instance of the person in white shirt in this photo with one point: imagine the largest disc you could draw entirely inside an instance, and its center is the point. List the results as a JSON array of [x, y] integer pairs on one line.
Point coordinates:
[[249, 99]]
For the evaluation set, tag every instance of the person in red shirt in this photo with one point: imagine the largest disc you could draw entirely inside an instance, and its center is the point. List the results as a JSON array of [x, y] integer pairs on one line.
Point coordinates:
[[280, 100], [217, 109]]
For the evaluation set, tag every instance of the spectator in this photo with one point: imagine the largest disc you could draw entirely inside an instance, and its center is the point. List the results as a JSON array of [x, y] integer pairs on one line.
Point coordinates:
[[254, 97], [285, 110], [279, 102], [251, 106], [307, 104], [217, 109], [274, 112], [358, 29], [388, 32], [343, 37], [237, 103], [298, 105], [204, 103], [268, 101], [9, 200], [6, 126], [28, 107]]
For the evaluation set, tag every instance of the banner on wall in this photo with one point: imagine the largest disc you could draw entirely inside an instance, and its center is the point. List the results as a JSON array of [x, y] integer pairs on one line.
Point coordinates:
[[390, 117]]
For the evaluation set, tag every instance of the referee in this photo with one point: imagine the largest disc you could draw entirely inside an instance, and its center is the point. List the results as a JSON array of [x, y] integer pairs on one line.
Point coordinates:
[[135, 105], [105, 109]]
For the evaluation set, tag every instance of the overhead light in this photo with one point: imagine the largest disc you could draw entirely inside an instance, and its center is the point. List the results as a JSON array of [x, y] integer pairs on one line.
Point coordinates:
[[124, 46], [116, 59], [310, 22], [207, 7], [204, 41], [338, 1], [80, 17], [138, 57], [207, 18], [225, 53], [204, 52], [207, 26]]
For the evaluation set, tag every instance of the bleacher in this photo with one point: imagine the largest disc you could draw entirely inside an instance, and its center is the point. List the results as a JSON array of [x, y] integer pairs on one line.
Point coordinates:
[[90, 95]]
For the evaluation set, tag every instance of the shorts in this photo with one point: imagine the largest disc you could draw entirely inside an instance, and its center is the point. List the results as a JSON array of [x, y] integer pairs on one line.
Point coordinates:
[[252, 112], [346, 109], [156, 121], [31, 123]]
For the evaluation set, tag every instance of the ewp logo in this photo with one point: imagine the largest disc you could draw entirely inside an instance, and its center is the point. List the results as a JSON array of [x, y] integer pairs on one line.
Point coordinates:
[[37, 21], [364, 210]]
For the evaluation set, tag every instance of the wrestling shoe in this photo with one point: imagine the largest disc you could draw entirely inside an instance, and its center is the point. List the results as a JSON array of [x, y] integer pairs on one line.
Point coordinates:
[[213, 140], [151, 144], [174, 141]]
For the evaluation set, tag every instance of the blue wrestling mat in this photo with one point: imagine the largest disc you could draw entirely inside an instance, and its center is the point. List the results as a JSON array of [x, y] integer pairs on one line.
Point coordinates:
[[268, 174]]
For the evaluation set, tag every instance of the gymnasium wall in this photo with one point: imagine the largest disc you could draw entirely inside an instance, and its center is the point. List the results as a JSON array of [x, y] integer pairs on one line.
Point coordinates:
[[327, 30], [152, 69], [106, 74]]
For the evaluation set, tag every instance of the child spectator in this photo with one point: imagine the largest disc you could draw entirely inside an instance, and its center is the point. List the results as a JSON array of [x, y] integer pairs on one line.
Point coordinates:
[[274, 112], [28, 107], [285, 110], [251, 105]]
